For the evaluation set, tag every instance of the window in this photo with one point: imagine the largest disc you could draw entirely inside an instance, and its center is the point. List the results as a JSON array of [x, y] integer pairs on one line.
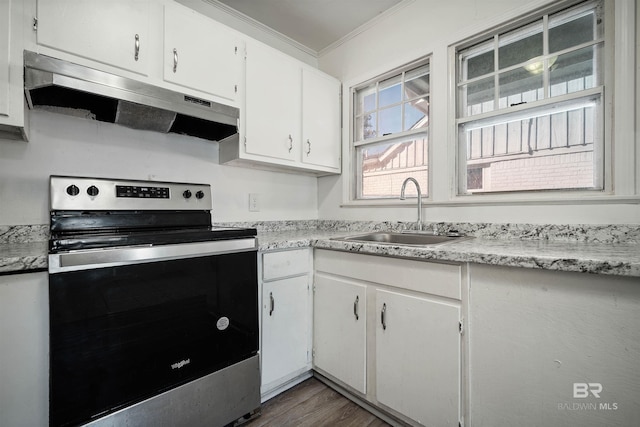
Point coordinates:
[[529, 105], [390, 135]]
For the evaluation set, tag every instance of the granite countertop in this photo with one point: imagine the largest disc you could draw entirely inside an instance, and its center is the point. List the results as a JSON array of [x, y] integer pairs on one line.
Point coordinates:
[[617, 258], [600, 258], [23, 257]]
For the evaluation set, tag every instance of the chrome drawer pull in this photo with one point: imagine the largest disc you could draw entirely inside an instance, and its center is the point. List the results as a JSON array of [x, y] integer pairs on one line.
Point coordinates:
[[175, 60], [273, 303], [137, 49]]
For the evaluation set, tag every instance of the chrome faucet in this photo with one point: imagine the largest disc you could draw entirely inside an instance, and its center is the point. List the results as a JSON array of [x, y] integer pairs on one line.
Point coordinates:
[[402, 197]]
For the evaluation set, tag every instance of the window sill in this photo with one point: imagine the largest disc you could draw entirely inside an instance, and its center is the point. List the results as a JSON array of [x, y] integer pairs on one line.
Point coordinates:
[[492, 200]]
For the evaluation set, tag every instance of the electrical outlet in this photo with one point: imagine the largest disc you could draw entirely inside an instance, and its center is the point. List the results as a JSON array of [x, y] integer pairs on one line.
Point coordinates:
[[254, 205]]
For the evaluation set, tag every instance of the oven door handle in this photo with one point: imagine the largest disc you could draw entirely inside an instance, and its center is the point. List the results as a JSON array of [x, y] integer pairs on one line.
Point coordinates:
[[112, 257]]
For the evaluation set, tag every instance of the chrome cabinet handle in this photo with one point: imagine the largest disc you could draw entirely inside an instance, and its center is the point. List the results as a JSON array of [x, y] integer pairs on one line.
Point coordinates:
[[290, 143], [272, 302], [175, 60], [137, 49], [355, 307], [383, 316], [309, 149]]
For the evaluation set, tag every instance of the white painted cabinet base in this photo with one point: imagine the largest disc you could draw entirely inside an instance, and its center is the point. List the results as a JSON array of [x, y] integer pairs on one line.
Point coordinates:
[[405, 359], [418, 357], [285, 325], [24, 350], [339, 329], [538, 333]]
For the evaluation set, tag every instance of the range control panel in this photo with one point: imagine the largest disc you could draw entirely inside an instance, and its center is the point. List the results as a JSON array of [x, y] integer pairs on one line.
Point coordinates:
[[81, 193], [142, 192]]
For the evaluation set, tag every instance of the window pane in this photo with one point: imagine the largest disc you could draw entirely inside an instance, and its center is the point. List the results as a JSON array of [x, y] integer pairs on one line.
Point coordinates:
[[366, 99], [520, 45], [479, 96], [573, 71], [386, 165], [516, 83], [390, 120], [390, 91], [365, 127], [551, 149], [478, 61], [564, 34], [416, 83], [416, 114]]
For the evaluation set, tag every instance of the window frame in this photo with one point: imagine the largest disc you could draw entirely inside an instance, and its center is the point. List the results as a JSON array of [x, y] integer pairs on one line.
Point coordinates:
[[355, 166], [622, 93], [604, 112]]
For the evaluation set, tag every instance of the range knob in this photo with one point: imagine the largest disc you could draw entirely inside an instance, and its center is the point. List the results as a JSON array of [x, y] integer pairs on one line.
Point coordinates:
[[199, 194], [73, 190], [93, 191], [186, 194]]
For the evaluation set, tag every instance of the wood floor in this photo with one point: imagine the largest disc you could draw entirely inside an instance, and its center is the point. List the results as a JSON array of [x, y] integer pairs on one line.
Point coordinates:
[[311, 403]]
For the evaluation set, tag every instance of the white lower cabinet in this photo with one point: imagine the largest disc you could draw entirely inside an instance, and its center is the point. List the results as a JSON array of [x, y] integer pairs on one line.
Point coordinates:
[[286, 305], [24, 350], [553, 348], [389, 331], [339, 330], [418, 357]]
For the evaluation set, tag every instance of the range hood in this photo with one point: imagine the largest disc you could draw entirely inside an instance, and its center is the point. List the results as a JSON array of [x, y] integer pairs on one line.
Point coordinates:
[[67, 88]]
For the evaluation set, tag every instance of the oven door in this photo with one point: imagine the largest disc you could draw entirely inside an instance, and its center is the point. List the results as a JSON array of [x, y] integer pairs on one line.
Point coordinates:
[[127, 324]]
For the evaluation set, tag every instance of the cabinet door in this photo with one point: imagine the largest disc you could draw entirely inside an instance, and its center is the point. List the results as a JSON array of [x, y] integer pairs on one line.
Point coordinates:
[[24, 349], [285, 329], [418, 357], [201, 54], [320, 119], [105, 31], [339, 330], [5, 29], [273, 104]]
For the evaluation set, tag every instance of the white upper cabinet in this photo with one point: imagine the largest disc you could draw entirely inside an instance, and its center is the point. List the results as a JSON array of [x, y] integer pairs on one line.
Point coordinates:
[[13, 124], [320, 119], [273, 105], [291, 117], [115, 32], [201, 54], [5, 33]]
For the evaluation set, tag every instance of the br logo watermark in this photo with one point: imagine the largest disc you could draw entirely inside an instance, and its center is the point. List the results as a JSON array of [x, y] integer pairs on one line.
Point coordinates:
[[583, 391]]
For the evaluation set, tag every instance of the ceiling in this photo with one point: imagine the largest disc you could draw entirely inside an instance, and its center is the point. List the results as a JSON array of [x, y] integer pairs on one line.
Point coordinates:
[[316, 24]]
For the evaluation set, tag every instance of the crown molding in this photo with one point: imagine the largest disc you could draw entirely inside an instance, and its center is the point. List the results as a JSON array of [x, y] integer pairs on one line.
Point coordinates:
[[261, 27], [364, 27]]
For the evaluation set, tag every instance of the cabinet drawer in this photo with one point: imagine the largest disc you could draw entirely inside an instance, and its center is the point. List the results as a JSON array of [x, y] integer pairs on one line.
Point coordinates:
[[279, 264], [420, 276]]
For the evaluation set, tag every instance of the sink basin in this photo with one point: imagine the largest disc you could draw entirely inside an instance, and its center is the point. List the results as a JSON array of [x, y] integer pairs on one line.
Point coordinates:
[[412, 239]]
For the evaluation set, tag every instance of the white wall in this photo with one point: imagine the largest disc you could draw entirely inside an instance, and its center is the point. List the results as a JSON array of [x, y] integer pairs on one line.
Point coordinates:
[[429, 27], [62, 145]]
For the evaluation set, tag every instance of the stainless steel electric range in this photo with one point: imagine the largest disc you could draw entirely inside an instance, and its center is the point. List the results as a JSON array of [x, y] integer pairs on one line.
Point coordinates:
[[153, 312]]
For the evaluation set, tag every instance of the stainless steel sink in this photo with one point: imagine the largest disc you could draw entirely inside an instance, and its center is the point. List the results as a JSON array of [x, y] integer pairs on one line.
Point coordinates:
[[412, 239]]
